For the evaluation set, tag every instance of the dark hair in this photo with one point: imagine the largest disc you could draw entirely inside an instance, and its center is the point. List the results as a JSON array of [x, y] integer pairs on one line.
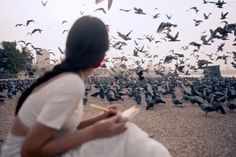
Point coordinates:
[[87, 41]]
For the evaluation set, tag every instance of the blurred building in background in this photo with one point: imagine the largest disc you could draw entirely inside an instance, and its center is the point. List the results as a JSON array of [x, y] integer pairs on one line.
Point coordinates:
[[43, 60], [212, 71]]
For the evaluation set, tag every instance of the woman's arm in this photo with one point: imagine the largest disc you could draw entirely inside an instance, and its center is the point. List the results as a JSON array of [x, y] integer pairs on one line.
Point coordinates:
[[39, 141], [113, 109], [91, 121]]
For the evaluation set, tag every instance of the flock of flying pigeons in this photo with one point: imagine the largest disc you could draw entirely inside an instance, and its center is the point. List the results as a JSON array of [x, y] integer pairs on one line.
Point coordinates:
[[121, 40], [219, 33]]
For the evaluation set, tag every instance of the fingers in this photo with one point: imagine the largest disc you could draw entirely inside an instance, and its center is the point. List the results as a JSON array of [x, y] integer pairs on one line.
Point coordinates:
[[112, 112], [113, 109]]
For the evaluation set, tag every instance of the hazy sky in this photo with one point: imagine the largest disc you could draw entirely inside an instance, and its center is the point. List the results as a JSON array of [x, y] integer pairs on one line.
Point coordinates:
[[49, 19]]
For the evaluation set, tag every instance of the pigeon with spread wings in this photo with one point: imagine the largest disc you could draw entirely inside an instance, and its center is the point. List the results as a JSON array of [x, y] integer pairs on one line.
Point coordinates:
[[197, 22], [223, 15], [29, 21], [168, 16], [125, 10], [64, 31], [101, 9], [139, 11], [172, 39], [156, 16], [109, 3], [165, 25], [194, 8], [206, 16], [44, 3], [219, 3], [64, 21], [19, 25], [125, 36], [36, 30]]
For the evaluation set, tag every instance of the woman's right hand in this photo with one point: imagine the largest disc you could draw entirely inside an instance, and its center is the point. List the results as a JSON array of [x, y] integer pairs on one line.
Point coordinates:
[[108, 127]]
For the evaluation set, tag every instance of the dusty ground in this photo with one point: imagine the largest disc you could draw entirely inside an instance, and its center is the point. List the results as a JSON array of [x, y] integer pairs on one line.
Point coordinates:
[[185, 131]]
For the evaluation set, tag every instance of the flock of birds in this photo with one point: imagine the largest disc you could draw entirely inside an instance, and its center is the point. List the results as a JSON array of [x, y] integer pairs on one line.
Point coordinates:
[[210, 94], [219, 33], [10, 88], [142, 53]]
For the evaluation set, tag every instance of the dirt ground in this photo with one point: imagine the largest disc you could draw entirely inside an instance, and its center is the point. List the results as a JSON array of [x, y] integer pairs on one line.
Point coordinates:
[[185, 131]]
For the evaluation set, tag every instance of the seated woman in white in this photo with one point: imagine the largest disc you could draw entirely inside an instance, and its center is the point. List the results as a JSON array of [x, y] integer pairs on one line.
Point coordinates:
[[48, 114]]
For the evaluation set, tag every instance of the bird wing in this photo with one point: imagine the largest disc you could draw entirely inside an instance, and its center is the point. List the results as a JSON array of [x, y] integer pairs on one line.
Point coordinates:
[[28, 44], [29, 33], [109, 4], [64, 31], [160, 28], [44, 3], [18, 25], [60, 50], [157, 15], [125, 10], [193, 8], [63, 22], [128, 34], [38, 53], [205, 16], [35, 30], [28, 22], [169, 36], [101, 9], [169, 17], [211, 2], [52, 53], [120, 35], [226, 14], [176, 36], [21, 41], [98, 1]]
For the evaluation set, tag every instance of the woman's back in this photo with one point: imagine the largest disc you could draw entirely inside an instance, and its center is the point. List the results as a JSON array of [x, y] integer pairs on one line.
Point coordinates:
[[46, 105]]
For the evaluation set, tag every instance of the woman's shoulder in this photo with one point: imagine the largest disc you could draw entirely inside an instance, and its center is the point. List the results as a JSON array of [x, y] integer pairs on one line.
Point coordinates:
[[63, 82], [69, 76], [69, 80]]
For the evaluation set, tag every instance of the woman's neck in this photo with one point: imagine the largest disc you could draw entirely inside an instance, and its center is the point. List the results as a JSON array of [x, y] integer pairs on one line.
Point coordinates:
[[85, 73]]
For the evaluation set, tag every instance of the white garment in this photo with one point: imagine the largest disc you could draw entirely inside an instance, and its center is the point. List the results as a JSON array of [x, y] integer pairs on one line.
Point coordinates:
[[59, 105], [12, 146], [134, 142]]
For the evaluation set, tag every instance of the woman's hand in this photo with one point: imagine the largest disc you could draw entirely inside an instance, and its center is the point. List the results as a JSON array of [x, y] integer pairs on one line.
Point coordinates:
[[108, 127], [112, 110]]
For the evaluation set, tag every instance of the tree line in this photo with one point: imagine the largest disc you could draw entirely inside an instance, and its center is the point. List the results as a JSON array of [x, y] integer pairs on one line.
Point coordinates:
[[14, 60]]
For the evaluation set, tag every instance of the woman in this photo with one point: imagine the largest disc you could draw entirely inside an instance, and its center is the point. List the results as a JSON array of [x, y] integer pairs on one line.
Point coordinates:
[[48, 114]]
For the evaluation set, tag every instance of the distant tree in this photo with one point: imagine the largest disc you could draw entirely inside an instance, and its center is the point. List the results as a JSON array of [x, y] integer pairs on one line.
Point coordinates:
[[13, 60]]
